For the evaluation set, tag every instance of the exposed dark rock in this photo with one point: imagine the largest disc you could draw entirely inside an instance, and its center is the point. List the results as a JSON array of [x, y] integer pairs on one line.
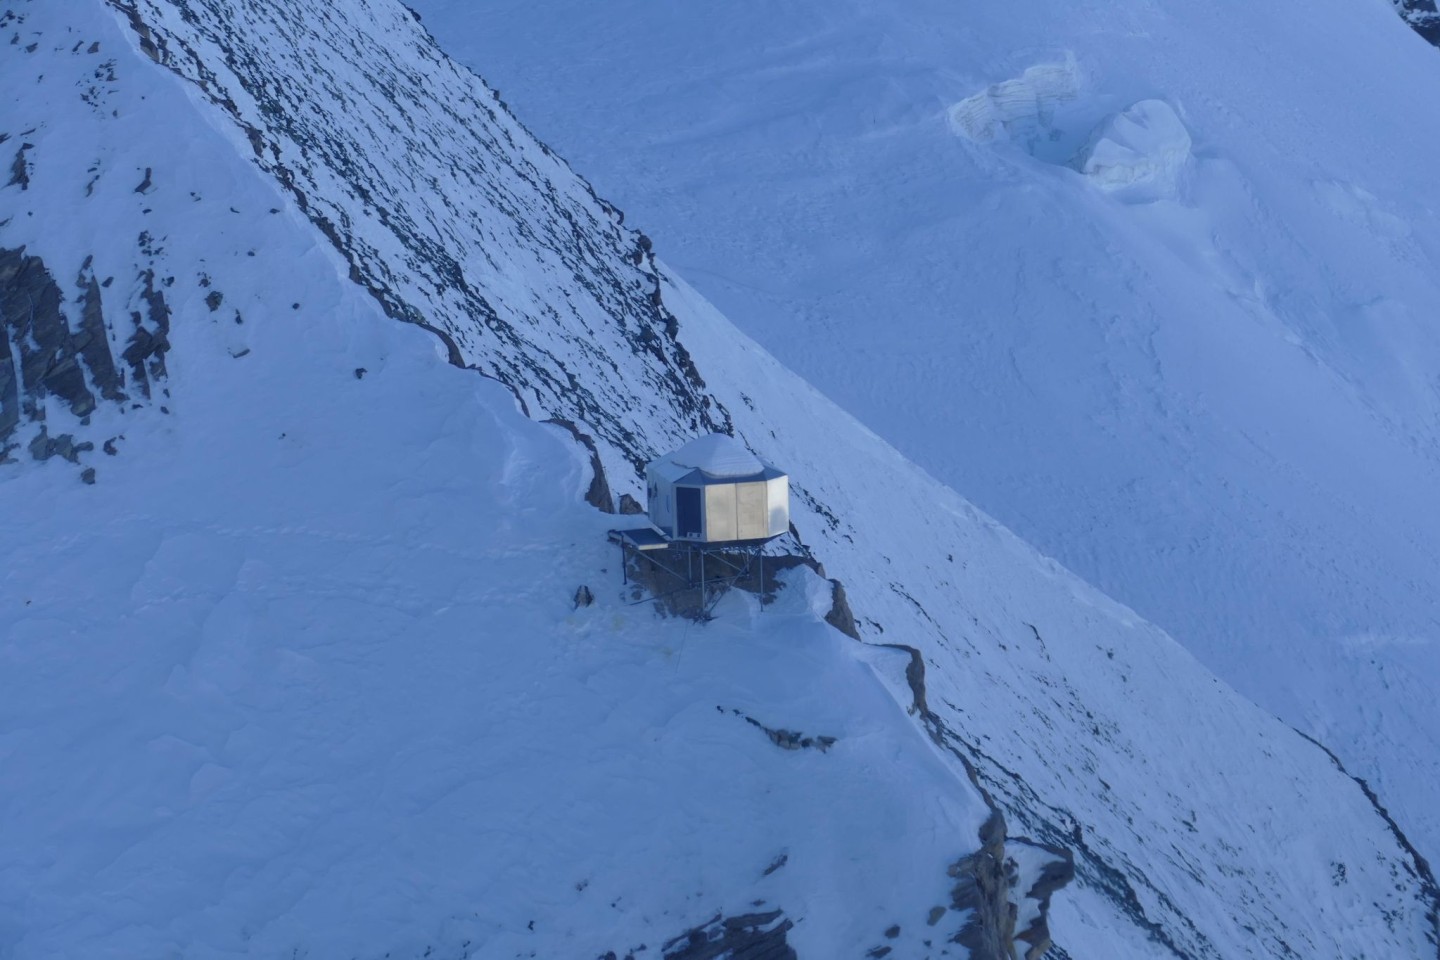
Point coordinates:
[[982, 886], [776, 864], [39, 356], [146, 184], [93, 340], [213, 299], [986, 881], [583, 597], [146, 349], [1062, 833], [20, 168], [751, 936], [88, 475], [840, 616], [598, 495], [360, 373], [788, 739], [1055, 874], [63, 445], [629, 506], [1423, 18]]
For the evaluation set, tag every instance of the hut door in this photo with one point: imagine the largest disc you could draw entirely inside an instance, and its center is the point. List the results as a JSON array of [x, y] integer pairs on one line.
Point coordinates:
[[687, 512]]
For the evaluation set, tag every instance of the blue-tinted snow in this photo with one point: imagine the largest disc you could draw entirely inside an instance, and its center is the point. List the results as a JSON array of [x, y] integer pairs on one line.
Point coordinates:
[[1215, 395]]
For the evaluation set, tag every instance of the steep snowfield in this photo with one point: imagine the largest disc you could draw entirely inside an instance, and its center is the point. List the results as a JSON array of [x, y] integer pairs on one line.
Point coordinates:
[[300, 674], [282, 685], [1206, 376], [1202, 826], [300, 671]]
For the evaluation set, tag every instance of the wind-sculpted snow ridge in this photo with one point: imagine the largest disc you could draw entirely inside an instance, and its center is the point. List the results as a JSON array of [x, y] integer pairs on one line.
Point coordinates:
[[327, 616], [443, 205]]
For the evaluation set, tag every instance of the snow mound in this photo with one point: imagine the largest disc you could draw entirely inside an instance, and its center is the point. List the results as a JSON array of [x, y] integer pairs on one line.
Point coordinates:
[[717, 455], [1019, 108], [1140, 152]]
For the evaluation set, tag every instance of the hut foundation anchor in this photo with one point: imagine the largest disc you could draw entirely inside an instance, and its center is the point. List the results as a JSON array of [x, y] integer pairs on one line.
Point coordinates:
[[711, 584]]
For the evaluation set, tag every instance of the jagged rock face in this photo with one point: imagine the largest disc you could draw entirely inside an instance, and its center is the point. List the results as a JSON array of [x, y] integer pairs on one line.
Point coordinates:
[[444, 207], [756, 936], [1422, 16], [42, 356]]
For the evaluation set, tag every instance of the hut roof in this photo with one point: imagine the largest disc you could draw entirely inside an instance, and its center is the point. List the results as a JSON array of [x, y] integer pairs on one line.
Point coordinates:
[[717, 456]]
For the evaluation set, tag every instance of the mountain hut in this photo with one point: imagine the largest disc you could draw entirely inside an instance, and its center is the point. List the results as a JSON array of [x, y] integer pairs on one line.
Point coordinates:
[[714, 490]]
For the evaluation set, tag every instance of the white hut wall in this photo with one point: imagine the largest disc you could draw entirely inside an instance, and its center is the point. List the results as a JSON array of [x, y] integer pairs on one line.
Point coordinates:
[[720, 512], [738, 511], [751, 511], [777, 498]]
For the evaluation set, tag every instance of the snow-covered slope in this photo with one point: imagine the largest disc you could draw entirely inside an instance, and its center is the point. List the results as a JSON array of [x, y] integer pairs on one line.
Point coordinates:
[[299, 672], [1200, 367]]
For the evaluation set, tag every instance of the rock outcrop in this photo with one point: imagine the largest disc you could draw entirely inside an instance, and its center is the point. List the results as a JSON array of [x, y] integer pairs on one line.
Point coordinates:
[[43, 356], [1422, 16]]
